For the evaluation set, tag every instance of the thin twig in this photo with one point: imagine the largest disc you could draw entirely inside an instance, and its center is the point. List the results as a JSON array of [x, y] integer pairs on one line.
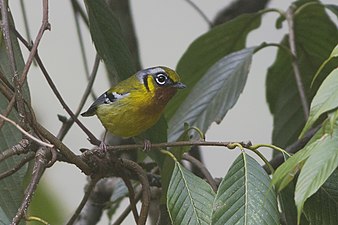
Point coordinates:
[[90, 135], [41, 161], [295, 65], [79, 35], [203, 169], [19, 148], [126, 212], [8, 110], [67, 125], [44, 26], [26, 133], [25, 19], [66, 152], [14, 169], [85, 198], [200, 12]]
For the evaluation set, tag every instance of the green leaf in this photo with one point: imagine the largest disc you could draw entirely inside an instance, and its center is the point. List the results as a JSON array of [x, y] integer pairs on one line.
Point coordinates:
[[214, 94], [189, 198], [11, 198], [286, 172], [322, 207], [312, 26], [333, 54], [326, 99], [245, 196], [206, 50], [317, 168], [108, 39]]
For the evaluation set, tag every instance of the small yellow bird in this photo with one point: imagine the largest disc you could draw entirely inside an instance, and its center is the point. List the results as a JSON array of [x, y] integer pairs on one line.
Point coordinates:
[[136, 104]]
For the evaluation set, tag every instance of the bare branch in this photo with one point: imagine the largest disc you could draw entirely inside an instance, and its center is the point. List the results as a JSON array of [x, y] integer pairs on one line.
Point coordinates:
[[44, 26], [14, 169], [5, 27], [41, 160], [135, 168], [19, 148], [126, 212], [131, 197], [85, 198], [26, 133], [67, 125], [8, 110]]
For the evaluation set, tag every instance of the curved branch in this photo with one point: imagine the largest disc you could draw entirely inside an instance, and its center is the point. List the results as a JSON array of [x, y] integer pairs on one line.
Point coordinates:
[[135, 168]]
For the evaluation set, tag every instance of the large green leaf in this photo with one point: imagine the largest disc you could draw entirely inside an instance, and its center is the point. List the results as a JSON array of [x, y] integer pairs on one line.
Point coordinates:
[[317, 168], [206, 50], [189, 198], [11, 198], [108, 39], [214, 94], [315, 36], [322, 207], [245, 196], [325, 99]]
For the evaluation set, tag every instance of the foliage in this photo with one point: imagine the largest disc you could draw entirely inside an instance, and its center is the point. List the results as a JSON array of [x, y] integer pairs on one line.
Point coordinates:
[[301, 92]]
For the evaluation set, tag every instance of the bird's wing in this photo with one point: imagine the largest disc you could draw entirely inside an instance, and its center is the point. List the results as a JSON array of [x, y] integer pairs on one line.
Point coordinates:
[[106, 98]]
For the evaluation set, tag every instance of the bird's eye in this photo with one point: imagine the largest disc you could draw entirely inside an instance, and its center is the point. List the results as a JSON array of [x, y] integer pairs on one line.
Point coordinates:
[[161, 79]]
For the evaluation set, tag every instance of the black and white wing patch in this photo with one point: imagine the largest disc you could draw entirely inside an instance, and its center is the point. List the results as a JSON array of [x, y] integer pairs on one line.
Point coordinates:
[[105, 98]]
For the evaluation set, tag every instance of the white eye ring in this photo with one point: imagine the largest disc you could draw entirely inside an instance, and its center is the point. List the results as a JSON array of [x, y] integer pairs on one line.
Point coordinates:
[[161, 79]]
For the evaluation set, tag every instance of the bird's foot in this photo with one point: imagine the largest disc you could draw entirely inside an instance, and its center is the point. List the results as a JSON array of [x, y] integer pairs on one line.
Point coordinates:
[[147, 145]]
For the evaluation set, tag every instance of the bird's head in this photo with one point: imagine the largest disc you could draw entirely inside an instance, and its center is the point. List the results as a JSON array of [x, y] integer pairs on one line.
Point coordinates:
[[162, 81]]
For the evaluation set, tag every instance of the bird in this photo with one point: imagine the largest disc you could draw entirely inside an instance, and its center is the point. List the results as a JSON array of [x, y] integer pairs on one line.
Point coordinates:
[[134, 105]]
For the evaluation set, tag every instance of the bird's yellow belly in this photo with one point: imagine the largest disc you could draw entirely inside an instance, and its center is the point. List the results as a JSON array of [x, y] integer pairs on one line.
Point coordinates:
[[127, 121]]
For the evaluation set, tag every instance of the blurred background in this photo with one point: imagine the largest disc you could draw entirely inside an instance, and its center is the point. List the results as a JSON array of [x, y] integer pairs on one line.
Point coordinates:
[[164, 30]]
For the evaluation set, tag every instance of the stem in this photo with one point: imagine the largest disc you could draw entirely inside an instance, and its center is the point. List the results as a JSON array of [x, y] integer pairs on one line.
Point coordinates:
[[295, 65]]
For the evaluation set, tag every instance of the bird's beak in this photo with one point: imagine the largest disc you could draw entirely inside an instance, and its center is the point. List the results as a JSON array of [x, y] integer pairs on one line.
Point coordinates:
[[179, 85]]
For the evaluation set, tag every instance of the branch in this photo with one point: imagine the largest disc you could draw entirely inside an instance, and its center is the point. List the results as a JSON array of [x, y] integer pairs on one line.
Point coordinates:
[[41, 160], [26, 133], [200, 12], [135, 168], [33, 51], [19, 148], [65, 151], [230, 145], [295, 65], [91, 136], [14, 169], [84, 200], [293, 148], [5, 27], [67, 125], [203, 169], [131, 196], [126, 212], [97, 202], [8, 110]]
